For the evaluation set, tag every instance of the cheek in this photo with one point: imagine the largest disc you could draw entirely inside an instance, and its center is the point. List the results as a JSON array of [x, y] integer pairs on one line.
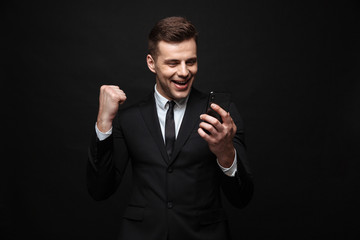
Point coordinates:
[[167, 73], [193, 69]]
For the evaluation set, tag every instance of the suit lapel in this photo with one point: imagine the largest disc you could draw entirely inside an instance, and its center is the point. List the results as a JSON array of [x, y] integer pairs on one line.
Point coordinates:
[[195, 106], [149, 114]]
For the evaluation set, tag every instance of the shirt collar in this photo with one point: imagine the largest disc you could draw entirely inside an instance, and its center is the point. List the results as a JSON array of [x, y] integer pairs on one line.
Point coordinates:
[[161, 101]]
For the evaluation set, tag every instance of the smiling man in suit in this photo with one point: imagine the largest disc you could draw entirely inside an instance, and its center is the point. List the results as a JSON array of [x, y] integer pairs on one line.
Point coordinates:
[[181, 157]]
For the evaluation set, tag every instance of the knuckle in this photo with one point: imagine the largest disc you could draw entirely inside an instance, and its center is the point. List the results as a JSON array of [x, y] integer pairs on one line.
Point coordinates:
[[102, 88], [112, 94], [215, 122], [115, 96], [215, 142]]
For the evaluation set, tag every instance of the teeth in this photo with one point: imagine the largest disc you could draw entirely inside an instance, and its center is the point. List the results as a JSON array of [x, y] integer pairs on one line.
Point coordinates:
[[180, 82]]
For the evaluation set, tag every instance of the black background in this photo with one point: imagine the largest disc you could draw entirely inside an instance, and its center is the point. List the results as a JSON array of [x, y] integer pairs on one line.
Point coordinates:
[[292, 68]]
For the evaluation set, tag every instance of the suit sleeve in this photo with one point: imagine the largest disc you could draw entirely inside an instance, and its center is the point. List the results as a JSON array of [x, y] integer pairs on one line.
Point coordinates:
[[239, 189], [107, 161]]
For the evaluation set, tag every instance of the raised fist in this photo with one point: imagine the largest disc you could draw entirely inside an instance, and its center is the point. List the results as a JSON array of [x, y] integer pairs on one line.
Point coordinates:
[[110, 98]]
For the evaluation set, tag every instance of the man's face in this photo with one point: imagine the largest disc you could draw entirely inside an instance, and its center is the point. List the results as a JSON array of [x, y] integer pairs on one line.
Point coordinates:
[[175, 68]]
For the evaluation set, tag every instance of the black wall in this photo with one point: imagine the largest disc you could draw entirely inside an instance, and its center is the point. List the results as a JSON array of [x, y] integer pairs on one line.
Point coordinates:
[[293, 70]]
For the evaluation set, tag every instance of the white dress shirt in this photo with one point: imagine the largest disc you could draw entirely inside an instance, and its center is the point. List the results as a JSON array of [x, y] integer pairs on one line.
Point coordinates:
[[179, 111]]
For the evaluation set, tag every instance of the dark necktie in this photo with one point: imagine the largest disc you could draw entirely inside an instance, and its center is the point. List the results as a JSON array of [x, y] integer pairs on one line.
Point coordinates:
[[170, 129]]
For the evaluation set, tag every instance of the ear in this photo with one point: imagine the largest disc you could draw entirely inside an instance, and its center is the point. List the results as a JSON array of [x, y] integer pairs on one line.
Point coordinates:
[[151, 63]]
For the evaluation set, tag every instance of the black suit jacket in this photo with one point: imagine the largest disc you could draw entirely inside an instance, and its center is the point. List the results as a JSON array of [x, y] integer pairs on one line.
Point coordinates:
[[176, 198]]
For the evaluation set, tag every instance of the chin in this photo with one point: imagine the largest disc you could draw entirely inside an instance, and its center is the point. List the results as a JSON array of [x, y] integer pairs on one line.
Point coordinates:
[[181, 95]]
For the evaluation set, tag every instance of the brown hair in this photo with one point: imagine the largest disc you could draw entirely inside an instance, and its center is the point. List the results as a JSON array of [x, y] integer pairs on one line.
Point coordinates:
[[170, 29]]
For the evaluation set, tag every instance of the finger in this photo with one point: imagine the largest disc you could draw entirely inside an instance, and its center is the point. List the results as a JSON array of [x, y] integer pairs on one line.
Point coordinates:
[[208, 127], [122, 96], [208, 138], [120, 92], [110, 88], [116, 89], [225, 116], [213, 121], [117, 94]]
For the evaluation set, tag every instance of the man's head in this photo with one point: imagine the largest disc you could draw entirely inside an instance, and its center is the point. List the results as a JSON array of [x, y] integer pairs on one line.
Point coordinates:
[[170, 29], [173, 56]]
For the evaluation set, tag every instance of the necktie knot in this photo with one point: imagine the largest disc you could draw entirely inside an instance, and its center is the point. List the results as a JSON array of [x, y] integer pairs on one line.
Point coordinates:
[[171, 105]]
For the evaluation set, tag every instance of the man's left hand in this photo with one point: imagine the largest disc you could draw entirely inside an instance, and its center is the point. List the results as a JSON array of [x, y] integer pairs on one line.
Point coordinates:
[[220, 137]]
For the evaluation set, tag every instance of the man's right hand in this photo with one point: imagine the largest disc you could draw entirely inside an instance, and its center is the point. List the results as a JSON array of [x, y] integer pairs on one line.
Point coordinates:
[[110, 98]]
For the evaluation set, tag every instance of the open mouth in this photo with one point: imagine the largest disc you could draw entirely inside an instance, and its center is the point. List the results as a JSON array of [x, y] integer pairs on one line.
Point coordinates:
[[181, 83]]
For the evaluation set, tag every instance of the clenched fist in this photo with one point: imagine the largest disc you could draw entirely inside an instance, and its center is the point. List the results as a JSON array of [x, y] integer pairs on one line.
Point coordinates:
[[110, 98]]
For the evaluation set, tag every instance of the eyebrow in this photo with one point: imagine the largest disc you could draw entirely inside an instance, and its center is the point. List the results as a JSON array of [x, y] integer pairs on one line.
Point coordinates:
[[176, 60], [192, 59], [171, 60]]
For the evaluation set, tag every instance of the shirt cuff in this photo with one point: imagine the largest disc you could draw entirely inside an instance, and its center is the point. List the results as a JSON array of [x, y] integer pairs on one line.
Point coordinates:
[[231, 170], [102, 136]]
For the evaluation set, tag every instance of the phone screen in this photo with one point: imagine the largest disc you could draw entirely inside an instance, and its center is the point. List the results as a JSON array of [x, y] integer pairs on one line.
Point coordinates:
[[220, 98]]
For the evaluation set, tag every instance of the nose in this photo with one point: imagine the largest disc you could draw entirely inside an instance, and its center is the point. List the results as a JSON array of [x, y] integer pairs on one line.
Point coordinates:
[[183, 71]]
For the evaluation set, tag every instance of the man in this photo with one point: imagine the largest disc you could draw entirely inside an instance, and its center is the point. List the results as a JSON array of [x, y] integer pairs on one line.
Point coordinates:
[[181, 157]]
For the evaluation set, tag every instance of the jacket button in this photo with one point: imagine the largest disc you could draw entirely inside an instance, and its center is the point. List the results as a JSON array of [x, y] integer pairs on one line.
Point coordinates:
[[169, 204], [170, 169]]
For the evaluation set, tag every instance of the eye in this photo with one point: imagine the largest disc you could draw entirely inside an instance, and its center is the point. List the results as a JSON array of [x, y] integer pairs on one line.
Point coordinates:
[[172, 63], [191, 62]]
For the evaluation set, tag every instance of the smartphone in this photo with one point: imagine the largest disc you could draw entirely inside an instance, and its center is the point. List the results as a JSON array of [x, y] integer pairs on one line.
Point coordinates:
[[222, 99]]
